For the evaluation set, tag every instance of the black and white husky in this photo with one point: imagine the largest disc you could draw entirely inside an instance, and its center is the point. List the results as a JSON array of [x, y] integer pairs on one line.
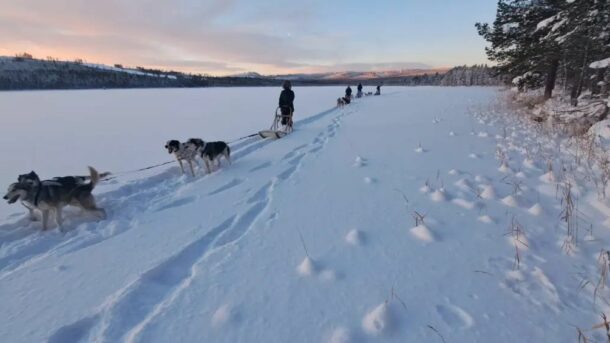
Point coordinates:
[[183, 152], [211, 152]]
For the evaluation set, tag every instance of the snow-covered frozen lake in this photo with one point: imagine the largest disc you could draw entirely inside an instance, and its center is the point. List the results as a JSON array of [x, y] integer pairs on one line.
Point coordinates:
[[62, 132], [423, 215]]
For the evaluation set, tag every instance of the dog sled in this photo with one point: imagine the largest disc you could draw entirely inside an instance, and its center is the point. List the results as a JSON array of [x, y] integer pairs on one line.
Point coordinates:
[[282, 125]]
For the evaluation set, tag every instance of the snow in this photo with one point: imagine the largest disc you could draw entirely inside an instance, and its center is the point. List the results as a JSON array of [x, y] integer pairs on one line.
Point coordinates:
[[340, 335], [510, 201], [377, 320], [543, 24], [290, 243], [48, 120], [127, 70], [601, 64], [601, 129], [486, 219], [422, 233], [488, 192], [306, 268], [536, 209], [354, 237], [222, 316], [438, 195]]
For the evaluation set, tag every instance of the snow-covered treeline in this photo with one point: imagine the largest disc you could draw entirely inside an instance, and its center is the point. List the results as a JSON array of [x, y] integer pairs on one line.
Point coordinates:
[[24, 72], [476, 75], [541, 44]]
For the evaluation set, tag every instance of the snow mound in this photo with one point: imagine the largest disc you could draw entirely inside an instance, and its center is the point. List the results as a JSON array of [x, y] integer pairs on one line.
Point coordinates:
[[481, 178], [488, 192], [222, 315], [464, 184], [419, 149], [453, 172], [486, 219], [548, 177], [438, 195], [510, 201], [451, 133], [307, 267], [422, 233], [369, 180], [354, 237], [425, 189], [529, 163], [504, 168], [340, 335], [536, 210], [377, 321], [601, 129]]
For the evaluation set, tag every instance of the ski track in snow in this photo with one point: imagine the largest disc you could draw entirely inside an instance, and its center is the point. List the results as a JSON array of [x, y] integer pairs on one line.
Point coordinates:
[[137, 194], [22, 246], [125, 315]]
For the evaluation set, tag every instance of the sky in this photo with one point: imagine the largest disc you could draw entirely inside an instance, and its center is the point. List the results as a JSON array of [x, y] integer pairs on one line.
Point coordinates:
[[221, 37]]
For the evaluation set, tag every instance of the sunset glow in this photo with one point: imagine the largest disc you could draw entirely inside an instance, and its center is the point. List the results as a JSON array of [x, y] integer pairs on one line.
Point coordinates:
[[234, 36]]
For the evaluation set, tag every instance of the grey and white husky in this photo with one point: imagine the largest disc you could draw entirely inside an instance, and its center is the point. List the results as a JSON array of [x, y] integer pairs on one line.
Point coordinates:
[[65, 181], [53, 195]]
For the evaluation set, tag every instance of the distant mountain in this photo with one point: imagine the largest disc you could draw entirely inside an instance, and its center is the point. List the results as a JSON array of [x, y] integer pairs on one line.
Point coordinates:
[[361, 75], [250, 75]]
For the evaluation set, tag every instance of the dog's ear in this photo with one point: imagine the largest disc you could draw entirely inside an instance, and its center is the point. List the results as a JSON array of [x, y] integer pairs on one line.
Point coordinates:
[[34, 176]]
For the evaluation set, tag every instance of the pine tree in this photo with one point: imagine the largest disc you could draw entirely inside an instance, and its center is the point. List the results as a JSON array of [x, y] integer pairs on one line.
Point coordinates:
[[581, 30], [516, 40]]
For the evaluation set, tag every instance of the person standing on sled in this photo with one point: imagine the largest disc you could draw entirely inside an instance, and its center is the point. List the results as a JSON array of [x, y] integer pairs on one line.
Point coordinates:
[[348, 95], [378, 92], [287, 103], [359, 94]]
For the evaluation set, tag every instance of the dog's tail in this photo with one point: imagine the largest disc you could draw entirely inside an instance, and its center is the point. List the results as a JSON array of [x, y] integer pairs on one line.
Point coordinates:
[[95, 177]]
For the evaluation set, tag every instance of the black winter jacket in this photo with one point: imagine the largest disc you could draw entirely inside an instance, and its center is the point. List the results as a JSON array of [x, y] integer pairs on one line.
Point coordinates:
[[287, 99]]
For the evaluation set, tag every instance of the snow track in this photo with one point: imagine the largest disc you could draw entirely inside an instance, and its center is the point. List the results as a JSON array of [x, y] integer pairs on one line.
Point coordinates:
[[125, 314], [22, 250]]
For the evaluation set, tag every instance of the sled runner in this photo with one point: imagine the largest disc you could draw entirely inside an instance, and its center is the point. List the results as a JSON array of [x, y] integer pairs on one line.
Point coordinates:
[[282, 125]]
